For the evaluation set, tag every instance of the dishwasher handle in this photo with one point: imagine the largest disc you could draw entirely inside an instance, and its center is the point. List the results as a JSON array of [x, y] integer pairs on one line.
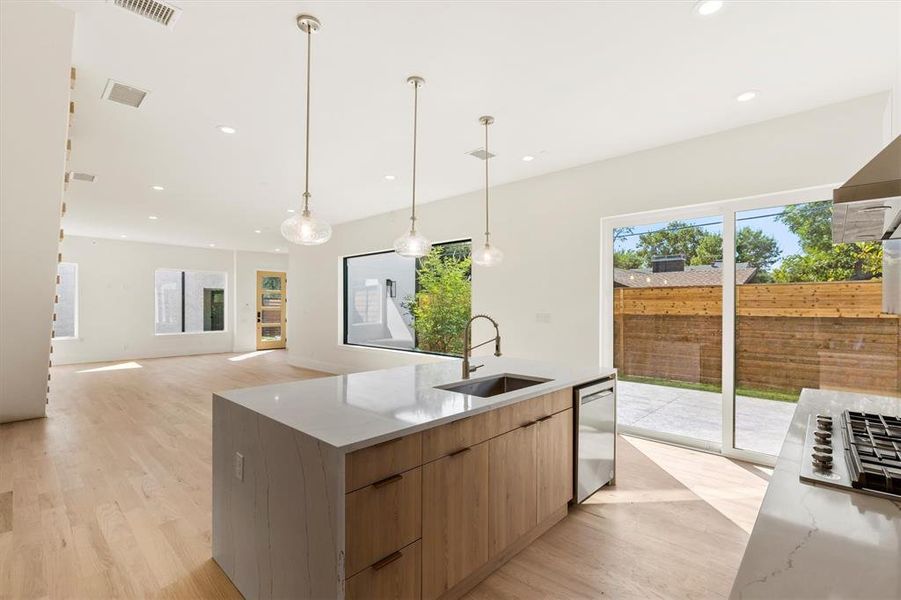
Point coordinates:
[[596, 396]]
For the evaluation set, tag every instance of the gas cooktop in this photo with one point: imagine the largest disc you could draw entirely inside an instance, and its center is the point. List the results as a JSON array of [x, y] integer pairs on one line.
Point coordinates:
[[859, 452]]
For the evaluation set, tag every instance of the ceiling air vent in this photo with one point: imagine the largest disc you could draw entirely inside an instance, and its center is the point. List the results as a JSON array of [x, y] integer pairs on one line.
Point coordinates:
[[481, 154], [124, 94], [159, 12], [83, 177]]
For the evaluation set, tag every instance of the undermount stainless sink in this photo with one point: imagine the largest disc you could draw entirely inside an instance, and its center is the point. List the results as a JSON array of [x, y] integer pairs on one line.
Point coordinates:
[[492, 386]]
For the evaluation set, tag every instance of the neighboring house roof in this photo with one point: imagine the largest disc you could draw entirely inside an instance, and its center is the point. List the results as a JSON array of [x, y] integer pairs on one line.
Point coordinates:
[[692, 275]]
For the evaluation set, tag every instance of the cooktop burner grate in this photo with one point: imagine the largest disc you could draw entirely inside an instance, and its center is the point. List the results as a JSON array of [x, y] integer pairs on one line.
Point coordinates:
[[873, 451]]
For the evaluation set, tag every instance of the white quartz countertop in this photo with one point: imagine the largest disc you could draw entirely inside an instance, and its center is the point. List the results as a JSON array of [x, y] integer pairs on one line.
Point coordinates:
[[820, 542], [361, 409]]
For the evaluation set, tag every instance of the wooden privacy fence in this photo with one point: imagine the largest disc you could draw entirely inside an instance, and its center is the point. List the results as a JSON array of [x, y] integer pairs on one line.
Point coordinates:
[[788, 336]]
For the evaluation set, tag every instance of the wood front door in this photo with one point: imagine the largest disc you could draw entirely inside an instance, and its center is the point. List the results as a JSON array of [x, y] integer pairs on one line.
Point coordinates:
[[271, 308]]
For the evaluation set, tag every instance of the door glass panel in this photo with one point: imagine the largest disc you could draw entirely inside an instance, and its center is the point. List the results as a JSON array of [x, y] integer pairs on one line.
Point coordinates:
[[271, 282], [667, 328], [271, 316], [809, 314], [271, 333]]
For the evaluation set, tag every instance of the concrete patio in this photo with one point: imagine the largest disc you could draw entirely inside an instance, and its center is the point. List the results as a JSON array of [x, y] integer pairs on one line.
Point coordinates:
[[760, 425]]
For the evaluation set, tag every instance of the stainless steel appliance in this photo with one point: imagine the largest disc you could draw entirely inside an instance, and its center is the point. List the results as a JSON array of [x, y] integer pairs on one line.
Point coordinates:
[[595, 451], [868, 206], [856, 451]]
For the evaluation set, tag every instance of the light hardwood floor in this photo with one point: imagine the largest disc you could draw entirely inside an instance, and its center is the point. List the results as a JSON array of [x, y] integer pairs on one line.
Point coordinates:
[[110, 497]]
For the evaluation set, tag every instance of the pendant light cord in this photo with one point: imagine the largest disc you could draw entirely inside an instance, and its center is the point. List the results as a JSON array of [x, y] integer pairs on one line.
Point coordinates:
[[487, 158], [415, 121], [306, 183]]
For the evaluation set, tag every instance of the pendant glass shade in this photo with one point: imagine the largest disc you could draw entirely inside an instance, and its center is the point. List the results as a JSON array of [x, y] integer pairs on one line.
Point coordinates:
[[412, 244], [302, 228], [487, 255], [305, 230]]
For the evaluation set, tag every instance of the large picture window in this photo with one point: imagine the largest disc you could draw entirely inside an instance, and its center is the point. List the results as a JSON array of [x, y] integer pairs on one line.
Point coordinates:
[[66, 324], [418, 305], [189, 301]]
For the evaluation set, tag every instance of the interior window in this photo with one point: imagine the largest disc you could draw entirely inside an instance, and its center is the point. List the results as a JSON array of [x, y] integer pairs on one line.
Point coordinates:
[[189, 301]]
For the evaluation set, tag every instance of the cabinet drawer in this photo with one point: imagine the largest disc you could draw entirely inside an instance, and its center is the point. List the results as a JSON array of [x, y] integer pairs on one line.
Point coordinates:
[[382, 518], [382, 460], [445, 439], [395, 577], [516, 415]]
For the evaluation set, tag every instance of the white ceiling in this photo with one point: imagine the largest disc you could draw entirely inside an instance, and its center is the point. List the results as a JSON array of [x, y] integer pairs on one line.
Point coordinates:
[[569, 83]]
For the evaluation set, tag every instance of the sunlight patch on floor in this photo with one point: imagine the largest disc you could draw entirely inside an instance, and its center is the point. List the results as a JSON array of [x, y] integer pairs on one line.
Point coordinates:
[[117, 367], [731, 493], [247, 355]]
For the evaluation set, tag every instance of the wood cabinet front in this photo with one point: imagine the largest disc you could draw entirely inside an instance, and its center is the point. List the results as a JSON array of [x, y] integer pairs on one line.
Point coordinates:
[[382, 518], [555, 462], [454, 518], [512, 483], [396, 577]]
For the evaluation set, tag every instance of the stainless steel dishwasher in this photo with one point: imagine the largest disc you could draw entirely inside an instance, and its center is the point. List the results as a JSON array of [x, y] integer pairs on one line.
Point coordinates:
[[595, 439]]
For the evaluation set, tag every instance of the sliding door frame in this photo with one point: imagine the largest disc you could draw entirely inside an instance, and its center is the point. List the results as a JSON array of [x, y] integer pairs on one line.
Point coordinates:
[[726, 210]]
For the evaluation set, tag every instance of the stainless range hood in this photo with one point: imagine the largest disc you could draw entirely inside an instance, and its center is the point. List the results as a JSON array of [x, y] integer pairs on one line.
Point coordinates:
[[867, 207]]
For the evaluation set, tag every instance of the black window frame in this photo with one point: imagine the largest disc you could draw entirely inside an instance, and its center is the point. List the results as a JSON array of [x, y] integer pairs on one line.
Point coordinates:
[[345, 306]]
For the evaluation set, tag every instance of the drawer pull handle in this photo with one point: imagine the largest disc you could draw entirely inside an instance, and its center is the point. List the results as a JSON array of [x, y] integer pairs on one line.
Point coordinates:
[[529, 424], [543, 419], [387, 480], [460, 451], [387, 560]]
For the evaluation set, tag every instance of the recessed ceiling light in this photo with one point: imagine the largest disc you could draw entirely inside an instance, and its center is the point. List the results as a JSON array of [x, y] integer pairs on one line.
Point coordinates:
[[528, 158], [158, 188], [390, 177], [258, 231], [153, 217], [290, 210], [227, 129], [212, 245], [705, 8], [123, 236], [278, 249], [747, 96]]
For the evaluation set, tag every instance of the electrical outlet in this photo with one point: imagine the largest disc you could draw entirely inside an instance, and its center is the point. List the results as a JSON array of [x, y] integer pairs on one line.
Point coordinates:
[[543, 317], [239, 466]]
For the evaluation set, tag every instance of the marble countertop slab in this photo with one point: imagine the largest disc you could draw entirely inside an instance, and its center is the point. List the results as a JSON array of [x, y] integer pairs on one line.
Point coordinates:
[[820, 542], [357, 410]]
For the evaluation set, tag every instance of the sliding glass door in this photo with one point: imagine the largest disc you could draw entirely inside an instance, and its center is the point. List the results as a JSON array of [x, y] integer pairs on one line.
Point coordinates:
[[808, 314], [667, 328], [718, 316]]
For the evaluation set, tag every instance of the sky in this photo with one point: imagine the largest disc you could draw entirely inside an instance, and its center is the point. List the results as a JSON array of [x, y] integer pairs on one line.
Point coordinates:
[[763, 219]]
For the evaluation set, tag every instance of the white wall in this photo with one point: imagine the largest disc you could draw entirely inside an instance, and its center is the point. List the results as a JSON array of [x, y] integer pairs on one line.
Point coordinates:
[[35, 55], [246, 266], [549, 229], [116, 299]]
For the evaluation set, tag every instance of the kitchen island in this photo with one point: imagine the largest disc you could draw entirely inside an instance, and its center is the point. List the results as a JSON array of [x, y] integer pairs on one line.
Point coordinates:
[[384, 484], [813, 541]]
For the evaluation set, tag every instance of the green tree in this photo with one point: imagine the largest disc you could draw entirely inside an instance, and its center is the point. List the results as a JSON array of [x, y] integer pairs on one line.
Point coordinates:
[[678, 237], [822, 260], [752, 246], [627, 259], [442, 305]]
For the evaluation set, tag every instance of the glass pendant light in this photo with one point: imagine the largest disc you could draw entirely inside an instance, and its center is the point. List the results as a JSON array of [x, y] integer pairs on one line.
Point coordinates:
[[303, 228], [487, 255], [413, 243]]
